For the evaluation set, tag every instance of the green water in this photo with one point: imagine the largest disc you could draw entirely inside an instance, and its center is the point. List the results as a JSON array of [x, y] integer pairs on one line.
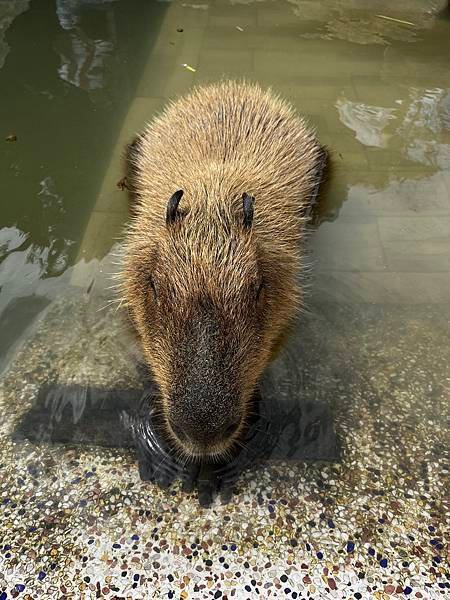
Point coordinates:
[[68, 73], [75, 74]]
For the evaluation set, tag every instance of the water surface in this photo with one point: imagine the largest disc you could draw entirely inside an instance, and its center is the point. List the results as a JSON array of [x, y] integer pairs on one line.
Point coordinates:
[[77, 80]]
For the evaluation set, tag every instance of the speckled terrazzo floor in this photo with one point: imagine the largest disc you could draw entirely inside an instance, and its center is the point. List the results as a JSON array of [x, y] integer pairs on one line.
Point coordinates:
[[77, 522]]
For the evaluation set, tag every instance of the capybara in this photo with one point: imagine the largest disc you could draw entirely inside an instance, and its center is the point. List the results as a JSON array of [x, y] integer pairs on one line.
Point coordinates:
[[223, 180]]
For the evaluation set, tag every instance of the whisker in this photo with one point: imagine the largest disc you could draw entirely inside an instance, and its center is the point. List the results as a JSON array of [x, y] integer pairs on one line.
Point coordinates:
[[259, 429], [119, 305]]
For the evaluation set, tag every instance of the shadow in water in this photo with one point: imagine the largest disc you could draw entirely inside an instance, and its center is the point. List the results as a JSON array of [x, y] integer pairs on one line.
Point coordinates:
[[285, 427], [445, 12], [290, 422], [331, 194]]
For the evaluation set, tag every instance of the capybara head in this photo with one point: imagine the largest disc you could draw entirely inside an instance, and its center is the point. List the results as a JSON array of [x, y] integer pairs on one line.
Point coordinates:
[[206, 303]]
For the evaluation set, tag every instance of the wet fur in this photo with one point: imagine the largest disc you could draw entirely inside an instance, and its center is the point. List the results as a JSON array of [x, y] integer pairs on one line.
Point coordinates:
[[207, 329]]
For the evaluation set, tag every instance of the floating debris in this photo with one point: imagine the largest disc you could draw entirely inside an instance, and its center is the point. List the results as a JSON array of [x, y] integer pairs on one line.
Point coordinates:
[[12, 137], [395, 20], [180, 30], [89, 288], [196, 6], [239, 28], [122, 184], [189, 68]]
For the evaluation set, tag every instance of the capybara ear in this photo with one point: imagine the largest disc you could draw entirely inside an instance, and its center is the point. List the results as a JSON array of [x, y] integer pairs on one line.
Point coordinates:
[[172, 206], [247, 203]]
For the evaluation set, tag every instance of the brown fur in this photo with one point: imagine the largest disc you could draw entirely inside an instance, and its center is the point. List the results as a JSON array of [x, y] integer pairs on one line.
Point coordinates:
[[192, 287]]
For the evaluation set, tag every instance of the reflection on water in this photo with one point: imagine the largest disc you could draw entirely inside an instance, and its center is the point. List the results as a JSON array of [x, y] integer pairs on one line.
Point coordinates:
[[9, 10], [368, 122], [350, 20], [83, 59], [419, 118], [427, 116], [69, 11]]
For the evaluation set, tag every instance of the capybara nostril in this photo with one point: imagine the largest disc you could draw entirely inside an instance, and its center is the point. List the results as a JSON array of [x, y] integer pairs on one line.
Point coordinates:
[[231, 429], [191, 431]]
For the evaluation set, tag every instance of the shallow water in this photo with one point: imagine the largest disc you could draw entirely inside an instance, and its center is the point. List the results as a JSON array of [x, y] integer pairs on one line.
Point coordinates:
[[292, 422], [369, 362]]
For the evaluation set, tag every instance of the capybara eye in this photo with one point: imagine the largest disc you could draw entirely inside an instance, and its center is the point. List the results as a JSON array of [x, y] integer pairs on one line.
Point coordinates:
[[153, 287]]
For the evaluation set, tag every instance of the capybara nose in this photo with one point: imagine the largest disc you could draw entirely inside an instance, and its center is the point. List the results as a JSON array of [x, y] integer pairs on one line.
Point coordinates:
[[191, 432]]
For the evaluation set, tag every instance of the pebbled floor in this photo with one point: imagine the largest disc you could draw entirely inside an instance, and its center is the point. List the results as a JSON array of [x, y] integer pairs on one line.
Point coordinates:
[[77, 521]]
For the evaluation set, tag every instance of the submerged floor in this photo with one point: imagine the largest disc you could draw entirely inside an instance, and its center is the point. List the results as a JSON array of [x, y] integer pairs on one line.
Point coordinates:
[[368, 522], [77, 521]]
